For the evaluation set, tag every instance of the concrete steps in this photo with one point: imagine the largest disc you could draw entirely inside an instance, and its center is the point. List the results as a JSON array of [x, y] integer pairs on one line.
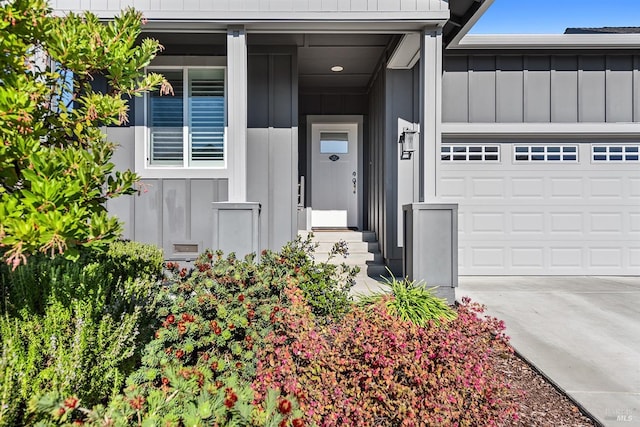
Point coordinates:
[[363, 251]]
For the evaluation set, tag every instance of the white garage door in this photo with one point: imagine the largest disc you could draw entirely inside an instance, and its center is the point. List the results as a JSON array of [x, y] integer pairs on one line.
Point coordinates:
[[545, 209]]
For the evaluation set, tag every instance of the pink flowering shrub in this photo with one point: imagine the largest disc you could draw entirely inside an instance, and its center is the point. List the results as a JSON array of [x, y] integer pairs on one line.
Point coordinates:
[[374, 369]]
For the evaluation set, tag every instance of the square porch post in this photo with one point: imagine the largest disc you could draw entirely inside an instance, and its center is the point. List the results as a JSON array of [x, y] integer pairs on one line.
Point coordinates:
[[236, 223], [237, 113], [430, 250], [430, 110]]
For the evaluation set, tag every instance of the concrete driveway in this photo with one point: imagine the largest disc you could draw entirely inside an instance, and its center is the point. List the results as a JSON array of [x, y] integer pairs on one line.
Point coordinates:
[[582, 332]]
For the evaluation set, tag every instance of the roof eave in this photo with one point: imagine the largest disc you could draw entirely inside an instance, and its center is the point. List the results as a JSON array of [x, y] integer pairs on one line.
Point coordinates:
[[470, 23]]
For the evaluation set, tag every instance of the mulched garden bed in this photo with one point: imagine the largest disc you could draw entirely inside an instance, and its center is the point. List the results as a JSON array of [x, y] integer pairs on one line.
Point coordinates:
[[542, 404]]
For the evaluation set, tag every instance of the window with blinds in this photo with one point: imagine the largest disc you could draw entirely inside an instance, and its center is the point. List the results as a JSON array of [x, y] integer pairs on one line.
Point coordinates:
[[187, 129]]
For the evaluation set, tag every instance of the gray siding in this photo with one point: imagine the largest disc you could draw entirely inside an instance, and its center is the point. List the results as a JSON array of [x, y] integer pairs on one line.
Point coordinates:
[[374, 150], [272, 143], [167, 211], [244, 6], [559, 88], [392, 182], [178, 211]]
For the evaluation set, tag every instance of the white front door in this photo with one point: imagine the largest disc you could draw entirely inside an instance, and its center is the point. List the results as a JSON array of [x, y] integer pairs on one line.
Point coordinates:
[[334, 175]]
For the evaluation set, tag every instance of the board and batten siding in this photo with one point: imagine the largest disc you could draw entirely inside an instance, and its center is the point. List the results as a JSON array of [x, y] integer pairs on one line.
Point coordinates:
[[166, 212], [557, 88], [178, 211], [392, 182], [272, 142]]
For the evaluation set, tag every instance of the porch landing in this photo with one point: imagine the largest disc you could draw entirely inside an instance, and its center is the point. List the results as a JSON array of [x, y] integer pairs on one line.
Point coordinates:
[[364, 252]]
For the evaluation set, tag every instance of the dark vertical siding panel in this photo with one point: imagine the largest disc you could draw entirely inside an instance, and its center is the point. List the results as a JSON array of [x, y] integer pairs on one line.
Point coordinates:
[[619, 85], [376, 146], [537, 98], [564, 89], [282, 88], [509, 89], [331, 103], [455, 89], [355, 104], [482, 89], [400, 190], [258, 91], [591, 88], [272, 167]]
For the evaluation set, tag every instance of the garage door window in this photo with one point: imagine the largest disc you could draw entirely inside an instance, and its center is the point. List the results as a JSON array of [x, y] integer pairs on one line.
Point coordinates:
[[615, 153], [545, 153], [470, 153]]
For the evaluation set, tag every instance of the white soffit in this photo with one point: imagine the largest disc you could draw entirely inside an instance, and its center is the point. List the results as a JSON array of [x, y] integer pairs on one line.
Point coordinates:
[[406, 54]]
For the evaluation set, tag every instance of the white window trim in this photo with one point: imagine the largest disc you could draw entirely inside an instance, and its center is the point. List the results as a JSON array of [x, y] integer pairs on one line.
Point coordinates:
[[143, 132]]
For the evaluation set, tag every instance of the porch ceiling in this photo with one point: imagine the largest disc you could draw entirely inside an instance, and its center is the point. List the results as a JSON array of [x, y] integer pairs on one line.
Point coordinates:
[[357, 53]]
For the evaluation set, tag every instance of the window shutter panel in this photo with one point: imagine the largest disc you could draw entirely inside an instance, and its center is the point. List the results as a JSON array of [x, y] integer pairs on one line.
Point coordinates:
[[206, 117], [166, 123]]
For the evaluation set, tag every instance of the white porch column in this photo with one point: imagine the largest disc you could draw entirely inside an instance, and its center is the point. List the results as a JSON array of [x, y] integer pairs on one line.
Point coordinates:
[[430, 109], [237, 113]]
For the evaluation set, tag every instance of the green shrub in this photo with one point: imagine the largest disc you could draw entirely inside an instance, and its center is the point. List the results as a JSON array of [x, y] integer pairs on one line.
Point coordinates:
[[71, 349], [209, 323], [325, 285], [230, 402], [127, 259], [113, 280], [56, 169], [412, 302], [73, 327]]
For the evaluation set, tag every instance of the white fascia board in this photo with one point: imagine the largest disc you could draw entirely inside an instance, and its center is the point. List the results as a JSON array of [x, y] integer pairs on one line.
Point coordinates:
[[465, 29], [548, 41], [352, 27], [264, 21], [469, 130]]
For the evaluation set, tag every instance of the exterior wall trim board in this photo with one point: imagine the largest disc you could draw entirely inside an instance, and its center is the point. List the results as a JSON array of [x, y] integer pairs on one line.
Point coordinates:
[[548, 41], [540, 129], [372, 25]]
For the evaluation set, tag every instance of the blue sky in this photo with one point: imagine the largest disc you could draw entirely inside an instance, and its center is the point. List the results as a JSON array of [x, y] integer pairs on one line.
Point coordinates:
[[553, 16]]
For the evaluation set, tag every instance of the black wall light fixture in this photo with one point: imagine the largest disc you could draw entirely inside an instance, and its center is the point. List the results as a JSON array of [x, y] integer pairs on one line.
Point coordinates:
[[408, 140]]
